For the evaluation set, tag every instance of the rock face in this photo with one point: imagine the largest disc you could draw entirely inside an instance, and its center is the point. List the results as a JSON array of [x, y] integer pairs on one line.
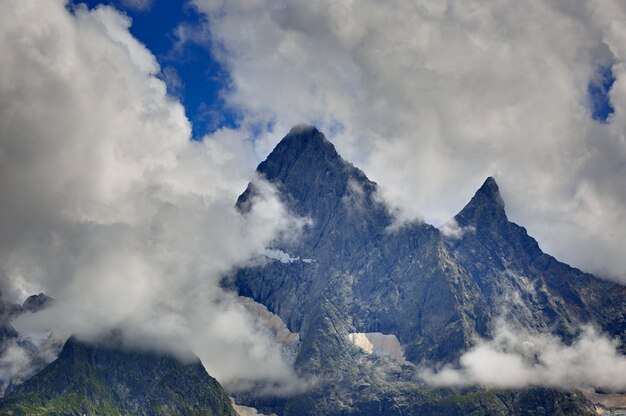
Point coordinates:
[[361, 272], [89, 379], [35, 303], [436, 295], [525, 285]]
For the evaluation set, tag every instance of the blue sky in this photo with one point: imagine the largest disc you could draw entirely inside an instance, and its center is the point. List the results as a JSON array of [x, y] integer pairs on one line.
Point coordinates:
[[601, 107]]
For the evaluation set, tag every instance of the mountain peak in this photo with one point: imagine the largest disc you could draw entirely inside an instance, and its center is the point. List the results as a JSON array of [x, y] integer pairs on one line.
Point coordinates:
[[315, 181], [305, 165], [490, 191], [35, 303], [303, 128], [302, 140], [486, 205]]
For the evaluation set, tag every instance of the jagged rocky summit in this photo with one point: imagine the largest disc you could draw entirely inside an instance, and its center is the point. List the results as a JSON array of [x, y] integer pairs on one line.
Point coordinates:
[[436, 295]]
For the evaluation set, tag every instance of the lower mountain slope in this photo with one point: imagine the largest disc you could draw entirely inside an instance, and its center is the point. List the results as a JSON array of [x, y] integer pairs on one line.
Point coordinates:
[[105, 380]]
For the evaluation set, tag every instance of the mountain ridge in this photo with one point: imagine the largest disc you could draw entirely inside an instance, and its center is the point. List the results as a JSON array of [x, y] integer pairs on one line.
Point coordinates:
[[505, 261], [412, 282]]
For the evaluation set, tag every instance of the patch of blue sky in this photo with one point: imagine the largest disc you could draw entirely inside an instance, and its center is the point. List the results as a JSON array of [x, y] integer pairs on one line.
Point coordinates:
[[598, 93]]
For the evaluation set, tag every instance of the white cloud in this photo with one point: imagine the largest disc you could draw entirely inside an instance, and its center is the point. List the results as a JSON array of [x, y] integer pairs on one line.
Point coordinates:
[[517, 358], [110, 208], [430, 98], [14, 360], [23, 357], [451, 229]]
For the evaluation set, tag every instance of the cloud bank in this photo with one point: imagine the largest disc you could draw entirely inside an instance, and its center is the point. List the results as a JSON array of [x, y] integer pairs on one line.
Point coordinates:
[[431, 97], [110, 208], [517, 358]]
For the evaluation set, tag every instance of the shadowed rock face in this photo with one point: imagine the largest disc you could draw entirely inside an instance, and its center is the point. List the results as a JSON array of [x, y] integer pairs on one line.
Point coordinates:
[[90, 379], [411, 282]]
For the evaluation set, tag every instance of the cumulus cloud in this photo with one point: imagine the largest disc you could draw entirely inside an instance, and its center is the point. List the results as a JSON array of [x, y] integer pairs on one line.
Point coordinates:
[[517, 358], [111, 209], [430, 98]]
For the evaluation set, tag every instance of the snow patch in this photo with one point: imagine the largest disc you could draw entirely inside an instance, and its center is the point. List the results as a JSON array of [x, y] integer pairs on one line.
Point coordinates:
[[379, 345], [283, 257], [247, 411], [280, 255]]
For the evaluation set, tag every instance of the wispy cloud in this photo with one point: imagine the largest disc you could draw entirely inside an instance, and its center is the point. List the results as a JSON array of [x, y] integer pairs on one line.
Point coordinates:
[[140, 5], [517, 358], [451, 229], [174, 83]]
